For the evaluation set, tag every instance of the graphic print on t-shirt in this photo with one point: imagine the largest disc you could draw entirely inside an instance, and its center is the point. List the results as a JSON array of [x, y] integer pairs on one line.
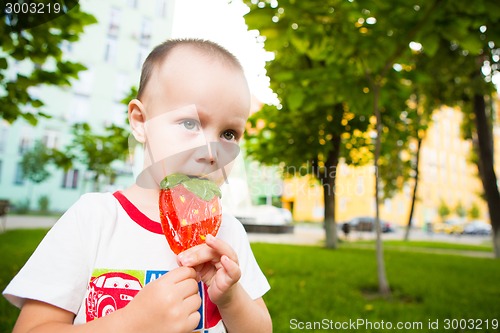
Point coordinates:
[[110, 290]]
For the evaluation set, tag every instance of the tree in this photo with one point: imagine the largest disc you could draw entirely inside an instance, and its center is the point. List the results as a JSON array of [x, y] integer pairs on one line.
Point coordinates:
[[34, 165], [474, 212], [98, 151], [443, 210], [357, 44], [313, 80], [460, 210], [466, 46], [31, 56]]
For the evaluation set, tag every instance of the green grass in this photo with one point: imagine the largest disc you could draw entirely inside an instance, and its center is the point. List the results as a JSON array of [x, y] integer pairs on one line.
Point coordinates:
[[413, 245], [15, 248], [315, 284], [312, 284]]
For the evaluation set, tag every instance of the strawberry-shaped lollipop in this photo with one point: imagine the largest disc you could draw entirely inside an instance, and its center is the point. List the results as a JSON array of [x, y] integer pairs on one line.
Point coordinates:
[[190, 209]]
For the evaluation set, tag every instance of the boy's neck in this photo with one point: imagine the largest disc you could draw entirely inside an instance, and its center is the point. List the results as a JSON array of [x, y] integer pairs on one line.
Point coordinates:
[[146, 200]]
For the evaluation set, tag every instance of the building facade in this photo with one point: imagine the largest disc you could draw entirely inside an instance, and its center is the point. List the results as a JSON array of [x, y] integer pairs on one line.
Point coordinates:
[[446, 175], [113, 51]]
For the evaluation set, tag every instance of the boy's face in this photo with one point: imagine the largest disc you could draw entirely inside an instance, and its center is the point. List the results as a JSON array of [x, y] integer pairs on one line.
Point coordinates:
[[195, 108]]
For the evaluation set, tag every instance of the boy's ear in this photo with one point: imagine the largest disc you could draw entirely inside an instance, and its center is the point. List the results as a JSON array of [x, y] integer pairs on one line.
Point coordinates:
[[137, 119]]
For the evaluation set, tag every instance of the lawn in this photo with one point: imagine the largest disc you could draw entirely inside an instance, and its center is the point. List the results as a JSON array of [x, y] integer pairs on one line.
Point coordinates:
[[335, 290], [15, 247]]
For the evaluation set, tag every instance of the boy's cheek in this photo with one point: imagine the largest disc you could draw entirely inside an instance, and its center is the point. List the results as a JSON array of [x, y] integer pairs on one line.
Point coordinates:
[[175, 143]]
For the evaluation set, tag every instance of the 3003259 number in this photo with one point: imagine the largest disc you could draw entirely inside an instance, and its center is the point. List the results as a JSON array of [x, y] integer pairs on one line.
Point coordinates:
[[471, 324], [32, 8]]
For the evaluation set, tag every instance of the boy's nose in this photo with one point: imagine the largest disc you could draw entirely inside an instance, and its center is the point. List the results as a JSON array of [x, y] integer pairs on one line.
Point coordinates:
[[212, 153], [207, 153]]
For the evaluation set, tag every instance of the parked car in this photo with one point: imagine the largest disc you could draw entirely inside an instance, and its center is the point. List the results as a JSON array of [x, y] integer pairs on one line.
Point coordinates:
[[367, 223], [450, 226], [264, 214], [477, 227]]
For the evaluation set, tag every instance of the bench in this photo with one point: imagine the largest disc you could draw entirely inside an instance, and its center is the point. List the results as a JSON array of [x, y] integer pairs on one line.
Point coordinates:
[[4, 209]]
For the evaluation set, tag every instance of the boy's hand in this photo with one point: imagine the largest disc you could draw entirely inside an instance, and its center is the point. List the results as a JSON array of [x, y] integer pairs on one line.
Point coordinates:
[[217, 266], [168, 304]]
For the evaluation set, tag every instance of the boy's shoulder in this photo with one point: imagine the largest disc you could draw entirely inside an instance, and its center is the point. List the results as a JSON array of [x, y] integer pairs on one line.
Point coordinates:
[[100, 198], [92, 202]]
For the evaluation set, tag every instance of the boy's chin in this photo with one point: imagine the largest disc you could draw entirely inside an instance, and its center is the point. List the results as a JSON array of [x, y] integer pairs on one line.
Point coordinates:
[[217, 177], [152, 176]]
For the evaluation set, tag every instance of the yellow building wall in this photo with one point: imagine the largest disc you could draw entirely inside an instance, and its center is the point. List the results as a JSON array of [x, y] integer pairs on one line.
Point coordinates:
[[445, 174]]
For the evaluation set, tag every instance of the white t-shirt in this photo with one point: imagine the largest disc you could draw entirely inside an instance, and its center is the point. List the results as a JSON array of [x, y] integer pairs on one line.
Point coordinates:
[[103, 250]]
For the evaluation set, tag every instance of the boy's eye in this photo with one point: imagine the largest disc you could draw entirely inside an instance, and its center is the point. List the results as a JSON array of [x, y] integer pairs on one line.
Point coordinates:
[[229, 135], [190, 124]]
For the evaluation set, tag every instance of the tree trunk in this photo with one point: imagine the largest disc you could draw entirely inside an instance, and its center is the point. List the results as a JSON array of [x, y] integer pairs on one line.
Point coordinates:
[[328, 182], [415, 186], [486, 168], [330, 226], [327, 176], [383, 283]]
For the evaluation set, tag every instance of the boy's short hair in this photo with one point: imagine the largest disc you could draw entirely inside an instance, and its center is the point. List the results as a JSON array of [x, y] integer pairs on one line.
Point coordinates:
[[159, 54]]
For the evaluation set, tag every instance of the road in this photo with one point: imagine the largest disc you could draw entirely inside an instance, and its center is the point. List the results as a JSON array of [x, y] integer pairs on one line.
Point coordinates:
[[304, 234]]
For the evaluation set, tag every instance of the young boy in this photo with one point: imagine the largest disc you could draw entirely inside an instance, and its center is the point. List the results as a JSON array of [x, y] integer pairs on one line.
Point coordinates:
[[106, 265]]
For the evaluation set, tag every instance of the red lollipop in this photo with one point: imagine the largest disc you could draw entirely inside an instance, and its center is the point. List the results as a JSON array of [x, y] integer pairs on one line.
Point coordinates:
[[190, 209]]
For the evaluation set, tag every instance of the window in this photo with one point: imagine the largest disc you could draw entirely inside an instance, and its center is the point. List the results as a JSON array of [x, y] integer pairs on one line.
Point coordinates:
[[132, 3], [388, 204], [146, 29], [50, 139], [1, 165], [24, 145], [141, 56], [110, 50], [161, 8], [83, 85], [3, 137], [114, 22], [122, 87], [19, 176], [66, 46], [360, 185], [79, 111], [343, 204], [119, 114], [70, 179]]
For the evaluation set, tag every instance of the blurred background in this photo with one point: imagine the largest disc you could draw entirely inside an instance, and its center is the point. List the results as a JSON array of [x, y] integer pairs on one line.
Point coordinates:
[[370, 120]]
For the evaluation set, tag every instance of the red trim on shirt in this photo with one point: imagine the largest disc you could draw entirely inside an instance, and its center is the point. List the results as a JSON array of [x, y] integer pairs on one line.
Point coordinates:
[[136, 215]]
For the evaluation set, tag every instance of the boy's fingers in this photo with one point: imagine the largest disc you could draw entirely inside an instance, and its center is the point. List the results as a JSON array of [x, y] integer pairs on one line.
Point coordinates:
[[193, 302], [221, 247], [188, 287], [194, 318], [197, 255], [211, 251], [180, 274], [232, 269]]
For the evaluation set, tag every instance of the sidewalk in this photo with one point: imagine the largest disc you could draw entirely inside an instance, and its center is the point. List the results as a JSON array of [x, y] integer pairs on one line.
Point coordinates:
[[303, 234], [26, 222]]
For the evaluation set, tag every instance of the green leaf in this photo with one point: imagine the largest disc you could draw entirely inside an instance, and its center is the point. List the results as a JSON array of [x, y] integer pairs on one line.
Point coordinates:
[[173, 180], [3, 63], [430, 44], [203, 188], [295, 99], [472, 44]]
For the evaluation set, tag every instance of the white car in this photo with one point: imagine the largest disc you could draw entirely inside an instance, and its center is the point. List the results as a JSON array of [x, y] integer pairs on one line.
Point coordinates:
[[477, 227], [264, 215]]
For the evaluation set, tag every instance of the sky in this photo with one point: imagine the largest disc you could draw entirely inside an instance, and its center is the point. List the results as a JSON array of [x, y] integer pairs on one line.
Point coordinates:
[[223, 23]]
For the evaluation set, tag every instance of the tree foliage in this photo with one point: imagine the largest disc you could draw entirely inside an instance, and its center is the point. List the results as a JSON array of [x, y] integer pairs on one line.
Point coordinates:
[[31, 56], [96, 151], [389, 62], [34, 163]]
